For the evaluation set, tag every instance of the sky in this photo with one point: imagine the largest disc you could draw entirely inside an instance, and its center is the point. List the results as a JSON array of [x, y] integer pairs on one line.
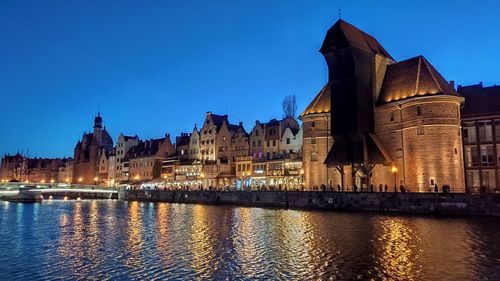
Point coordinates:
[[156, 67]]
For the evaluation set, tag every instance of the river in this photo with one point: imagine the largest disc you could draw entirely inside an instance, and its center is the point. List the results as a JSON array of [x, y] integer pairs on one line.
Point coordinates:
[[119, 240]]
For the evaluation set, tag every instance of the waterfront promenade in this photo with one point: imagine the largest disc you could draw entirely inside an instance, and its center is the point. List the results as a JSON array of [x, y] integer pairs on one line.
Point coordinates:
[[412, 203]]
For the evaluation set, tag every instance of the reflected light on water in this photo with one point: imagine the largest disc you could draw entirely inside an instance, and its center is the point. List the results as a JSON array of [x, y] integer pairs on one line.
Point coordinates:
[[135, 242], [398, 249], [201, 245]]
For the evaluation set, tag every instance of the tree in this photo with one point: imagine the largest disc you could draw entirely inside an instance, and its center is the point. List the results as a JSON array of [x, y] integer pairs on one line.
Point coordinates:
[[289, 106]]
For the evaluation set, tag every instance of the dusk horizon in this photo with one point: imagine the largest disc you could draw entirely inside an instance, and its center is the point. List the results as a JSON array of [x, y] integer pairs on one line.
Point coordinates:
[[158, 69]]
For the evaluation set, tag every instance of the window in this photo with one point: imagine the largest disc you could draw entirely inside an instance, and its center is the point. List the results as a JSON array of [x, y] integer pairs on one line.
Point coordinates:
[[253, 143], [489, 179], [471, 155], [257, 133], [497, 130], [469, 132], [487, 156], [287, 140], [314, 157], [259, 143], [392, 116], [472, 179], [210, 131], [274, 142], [419, 110], [313, 141], [485, 131], [313, 124], [420, 130]]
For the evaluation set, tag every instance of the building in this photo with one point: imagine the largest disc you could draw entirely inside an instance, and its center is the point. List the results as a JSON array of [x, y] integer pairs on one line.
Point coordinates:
[[317, 142], [240, 142], [144, 160], [38, 170], [194, 144], [257, 139], [394, 123], [182, 143], [481, 136], [123, 145], [86, 153]]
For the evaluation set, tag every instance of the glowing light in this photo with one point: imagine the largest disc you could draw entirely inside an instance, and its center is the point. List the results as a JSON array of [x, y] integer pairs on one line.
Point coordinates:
[[78, 199], [96, 179], [65, 198], [394, 169], [80, 179], [66, 180], [52, 181], [43, 181], [50, 197]]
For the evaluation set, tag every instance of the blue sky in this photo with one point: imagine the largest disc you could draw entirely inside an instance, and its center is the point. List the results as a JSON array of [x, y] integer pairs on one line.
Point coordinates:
[[157, 66]]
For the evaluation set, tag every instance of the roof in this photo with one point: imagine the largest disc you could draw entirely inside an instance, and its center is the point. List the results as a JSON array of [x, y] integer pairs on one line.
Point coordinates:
[[414, 77], [480, 101], [320, 104], [354, 36]]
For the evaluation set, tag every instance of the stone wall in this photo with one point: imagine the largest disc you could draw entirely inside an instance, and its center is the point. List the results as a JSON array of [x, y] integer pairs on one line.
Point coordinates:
[[413, 203]]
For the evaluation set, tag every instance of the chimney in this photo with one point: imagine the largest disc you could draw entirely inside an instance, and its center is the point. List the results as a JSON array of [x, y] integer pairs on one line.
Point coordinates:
[[209, 113], [241, 124], [452, 83]]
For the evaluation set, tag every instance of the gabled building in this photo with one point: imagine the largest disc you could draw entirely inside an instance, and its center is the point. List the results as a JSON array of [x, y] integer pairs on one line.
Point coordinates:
[[123, 145], [240, 142], [257, 139], [144, 160], [86, 153], [194, 145], [394, 123], [182, 146]]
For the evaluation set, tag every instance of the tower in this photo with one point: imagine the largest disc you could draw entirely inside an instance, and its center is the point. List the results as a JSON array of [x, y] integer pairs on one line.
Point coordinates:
[[353, 58]]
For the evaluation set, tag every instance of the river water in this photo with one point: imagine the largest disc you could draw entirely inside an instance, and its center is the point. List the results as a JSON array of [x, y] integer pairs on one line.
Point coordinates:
[[118, 240]]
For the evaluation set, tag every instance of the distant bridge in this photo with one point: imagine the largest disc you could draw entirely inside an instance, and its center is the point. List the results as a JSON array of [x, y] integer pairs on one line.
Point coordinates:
[[62, 191]]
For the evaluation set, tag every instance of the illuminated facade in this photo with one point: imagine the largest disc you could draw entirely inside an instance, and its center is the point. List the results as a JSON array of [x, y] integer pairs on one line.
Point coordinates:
[[86, 153], [394, 123]]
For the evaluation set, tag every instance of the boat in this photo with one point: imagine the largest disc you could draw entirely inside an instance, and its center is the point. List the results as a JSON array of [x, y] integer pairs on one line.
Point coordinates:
[[25, 194]]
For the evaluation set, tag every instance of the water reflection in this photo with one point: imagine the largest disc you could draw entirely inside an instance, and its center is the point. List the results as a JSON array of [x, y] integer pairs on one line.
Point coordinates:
[[202, 243], [69, 240], [397, 250], [135, 242]]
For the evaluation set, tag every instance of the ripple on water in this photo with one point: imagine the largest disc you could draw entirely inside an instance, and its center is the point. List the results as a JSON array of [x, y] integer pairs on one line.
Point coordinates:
[[101, 240]]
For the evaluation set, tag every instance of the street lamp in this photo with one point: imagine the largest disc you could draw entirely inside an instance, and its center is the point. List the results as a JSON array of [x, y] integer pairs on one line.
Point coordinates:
[[95, 180], [66, 180], [394, 171], [51, 180], [80, 179]]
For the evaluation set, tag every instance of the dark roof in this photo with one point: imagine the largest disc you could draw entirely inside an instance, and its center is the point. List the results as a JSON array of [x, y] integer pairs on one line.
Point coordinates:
[[145, 148], [354, 36], [130, 137], [414, 77], [480, 101], [183, 139], [320, 104], [219, 120]]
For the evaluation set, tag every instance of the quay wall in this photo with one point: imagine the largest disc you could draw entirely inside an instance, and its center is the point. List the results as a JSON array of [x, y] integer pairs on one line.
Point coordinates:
[[412, 203]]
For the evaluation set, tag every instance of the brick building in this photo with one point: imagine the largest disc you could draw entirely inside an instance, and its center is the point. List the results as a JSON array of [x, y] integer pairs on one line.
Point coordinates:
[[481, 136], [394, 123], [86, 153]]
